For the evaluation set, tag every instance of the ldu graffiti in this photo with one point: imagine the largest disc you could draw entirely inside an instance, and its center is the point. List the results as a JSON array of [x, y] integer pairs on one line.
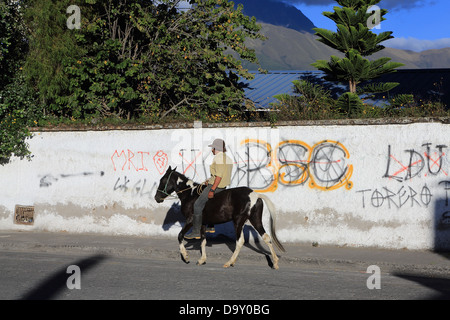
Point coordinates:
[[426, 162]]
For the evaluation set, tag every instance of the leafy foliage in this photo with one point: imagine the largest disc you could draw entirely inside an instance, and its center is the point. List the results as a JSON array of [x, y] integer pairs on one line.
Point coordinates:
[[16, 99], [349, 104], [312, 102], [354, 38], [145, 59]]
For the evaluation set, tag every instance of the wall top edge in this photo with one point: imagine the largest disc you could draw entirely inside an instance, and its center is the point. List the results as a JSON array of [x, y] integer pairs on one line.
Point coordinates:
[[300, 123]]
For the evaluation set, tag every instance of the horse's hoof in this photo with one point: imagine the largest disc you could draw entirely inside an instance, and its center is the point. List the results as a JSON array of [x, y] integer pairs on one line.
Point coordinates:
[[185, 259], [227, 265], [199, 263]]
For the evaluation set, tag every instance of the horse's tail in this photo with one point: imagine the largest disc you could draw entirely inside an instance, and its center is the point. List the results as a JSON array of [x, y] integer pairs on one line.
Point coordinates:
[[272, 211]]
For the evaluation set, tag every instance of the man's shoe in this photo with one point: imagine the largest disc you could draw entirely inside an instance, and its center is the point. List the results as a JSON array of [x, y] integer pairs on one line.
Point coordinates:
[[210, 229], [192, 236]]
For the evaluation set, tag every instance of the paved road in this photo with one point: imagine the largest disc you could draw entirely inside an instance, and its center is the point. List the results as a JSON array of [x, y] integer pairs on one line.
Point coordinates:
[[31, 274]]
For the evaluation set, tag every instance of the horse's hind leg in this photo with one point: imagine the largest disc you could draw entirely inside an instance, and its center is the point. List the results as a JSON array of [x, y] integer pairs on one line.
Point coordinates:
[[256, 221]]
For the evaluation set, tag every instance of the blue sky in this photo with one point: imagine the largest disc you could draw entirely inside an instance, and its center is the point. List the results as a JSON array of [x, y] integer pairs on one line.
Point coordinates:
[[417, 25]]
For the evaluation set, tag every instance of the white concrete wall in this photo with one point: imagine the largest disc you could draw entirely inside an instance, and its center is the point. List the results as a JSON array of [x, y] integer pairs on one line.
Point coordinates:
[[371, 185]]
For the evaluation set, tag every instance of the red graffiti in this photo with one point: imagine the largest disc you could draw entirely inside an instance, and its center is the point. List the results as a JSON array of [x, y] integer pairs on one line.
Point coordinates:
[[134, 161], [191, 164], [161, 160]]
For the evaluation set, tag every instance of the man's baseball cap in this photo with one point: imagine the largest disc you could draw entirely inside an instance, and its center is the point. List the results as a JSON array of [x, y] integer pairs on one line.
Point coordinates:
[[218, 144]]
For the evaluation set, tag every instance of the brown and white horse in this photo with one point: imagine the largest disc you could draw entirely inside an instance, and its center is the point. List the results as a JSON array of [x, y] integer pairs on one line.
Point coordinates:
[[235, 204]]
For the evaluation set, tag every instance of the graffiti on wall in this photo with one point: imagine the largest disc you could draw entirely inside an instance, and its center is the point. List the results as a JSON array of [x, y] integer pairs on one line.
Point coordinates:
[[413, 164], [396, 198], [419, 162], [140, 188], [138, 161], [258, 165], [50, 179]]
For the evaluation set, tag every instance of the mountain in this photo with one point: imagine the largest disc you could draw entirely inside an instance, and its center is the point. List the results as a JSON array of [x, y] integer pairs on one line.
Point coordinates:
[[288, 49], [291, 44], [277, 13]]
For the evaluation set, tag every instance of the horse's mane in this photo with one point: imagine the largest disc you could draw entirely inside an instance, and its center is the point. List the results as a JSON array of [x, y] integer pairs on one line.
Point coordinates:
[[186, 179]]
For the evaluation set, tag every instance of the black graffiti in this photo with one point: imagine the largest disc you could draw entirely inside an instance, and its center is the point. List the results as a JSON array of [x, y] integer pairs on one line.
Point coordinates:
[[49, 179], [139, 188], [328, 164], [293, 158], [446, 185], [252, 167], [424, 162], [291, 163], [385, 197]]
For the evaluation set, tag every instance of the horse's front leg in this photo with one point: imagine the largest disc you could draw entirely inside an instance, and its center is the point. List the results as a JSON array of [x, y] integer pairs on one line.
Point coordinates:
[[183, 252], [202, 259]]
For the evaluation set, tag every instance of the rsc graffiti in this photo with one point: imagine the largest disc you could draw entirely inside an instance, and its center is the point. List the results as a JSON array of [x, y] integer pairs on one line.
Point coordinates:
[[263, 168], [292, 163]]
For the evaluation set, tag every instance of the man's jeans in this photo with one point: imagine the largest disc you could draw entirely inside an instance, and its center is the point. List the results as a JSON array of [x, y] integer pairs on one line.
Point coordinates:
[[201, 201]]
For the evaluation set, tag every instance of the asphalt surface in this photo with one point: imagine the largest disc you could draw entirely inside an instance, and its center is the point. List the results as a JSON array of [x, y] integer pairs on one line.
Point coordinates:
[[151, 268], [220, 250]]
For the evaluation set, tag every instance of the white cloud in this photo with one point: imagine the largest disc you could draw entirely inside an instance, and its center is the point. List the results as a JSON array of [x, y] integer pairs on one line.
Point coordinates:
[[417, 45]]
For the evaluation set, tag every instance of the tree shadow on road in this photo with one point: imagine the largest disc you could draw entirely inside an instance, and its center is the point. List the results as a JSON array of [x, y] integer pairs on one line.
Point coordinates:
[[50, 287], [441, 246], [440, 285]]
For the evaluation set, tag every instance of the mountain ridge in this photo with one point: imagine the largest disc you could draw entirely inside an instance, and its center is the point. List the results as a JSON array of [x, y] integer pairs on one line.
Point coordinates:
[[277, 13], [292, 45], [300, 49]]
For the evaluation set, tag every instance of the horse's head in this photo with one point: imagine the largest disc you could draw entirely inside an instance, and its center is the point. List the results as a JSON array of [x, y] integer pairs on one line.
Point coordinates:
[[166, 185]]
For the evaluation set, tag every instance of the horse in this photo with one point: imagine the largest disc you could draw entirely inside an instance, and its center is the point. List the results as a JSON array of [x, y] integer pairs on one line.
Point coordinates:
[[236, 204]]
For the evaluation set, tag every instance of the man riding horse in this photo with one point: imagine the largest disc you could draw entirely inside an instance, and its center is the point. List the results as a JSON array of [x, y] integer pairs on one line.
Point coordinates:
[[220, 169]]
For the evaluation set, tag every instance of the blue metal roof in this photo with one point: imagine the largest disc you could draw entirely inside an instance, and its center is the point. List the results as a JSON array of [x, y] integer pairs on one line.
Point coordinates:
[[262, 89], [423, 83]]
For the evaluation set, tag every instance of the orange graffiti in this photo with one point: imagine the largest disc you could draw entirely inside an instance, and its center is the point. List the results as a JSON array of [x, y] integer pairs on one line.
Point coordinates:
[[294, 162]]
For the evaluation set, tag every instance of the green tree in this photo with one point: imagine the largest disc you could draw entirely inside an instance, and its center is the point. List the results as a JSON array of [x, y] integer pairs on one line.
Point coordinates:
[[142, 58], [13, 44], [52, 45], [354, 38], [16, 99], [188, 69]]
